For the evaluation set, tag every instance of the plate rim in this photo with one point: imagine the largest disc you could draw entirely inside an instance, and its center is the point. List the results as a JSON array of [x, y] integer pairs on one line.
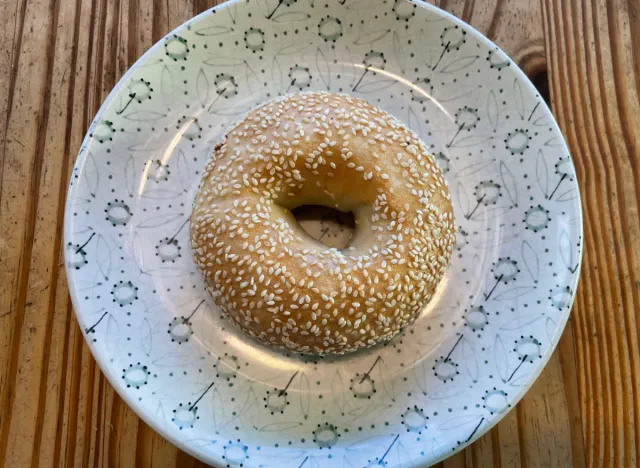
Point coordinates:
[[108, 370]]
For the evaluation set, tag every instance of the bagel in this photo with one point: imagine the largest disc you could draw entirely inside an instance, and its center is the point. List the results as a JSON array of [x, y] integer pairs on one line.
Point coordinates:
[[286, 288]]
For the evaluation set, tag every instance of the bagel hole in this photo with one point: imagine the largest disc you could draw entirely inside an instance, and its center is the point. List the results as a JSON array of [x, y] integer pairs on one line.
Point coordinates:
[[334, 228]]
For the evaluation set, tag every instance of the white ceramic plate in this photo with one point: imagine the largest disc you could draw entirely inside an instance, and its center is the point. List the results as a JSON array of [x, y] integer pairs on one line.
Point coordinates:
[[443, 382]]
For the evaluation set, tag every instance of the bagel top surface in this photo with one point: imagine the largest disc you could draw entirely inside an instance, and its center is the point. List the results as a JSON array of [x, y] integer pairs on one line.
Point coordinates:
[[288, 289]]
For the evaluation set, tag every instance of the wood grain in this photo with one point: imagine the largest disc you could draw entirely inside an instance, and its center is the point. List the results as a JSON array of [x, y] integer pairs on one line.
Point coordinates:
[[596, 54], [58, 61]]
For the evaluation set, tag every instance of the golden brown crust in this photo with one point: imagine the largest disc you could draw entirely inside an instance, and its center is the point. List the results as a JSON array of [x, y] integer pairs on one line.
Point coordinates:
[[284, 287]]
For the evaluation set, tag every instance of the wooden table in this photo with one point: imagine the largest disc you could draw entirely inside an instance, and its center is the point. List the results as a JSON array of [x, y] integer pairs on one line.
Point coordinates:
[[58, 61]]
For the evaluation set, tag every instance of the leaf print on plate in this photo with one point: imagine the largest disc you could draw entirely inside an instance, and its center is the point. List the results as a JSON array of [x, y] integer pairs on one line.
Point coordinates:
[[323, 67], [136, 248], [253, 82], [91, 175], [566, 252], [112, 337], [170, 272], [368, 38], [509, 183], [161, 415], [370, 444], [518, 97], [554, 142], [277, 75], [87, 286], [465, 421], [388, 455], [490, 213], [571, 194], [213, 31], [160, 194], [152, 145], [542, 173], [346, 463], [458, 64], [470, 359], [500, 358], [542, 121], [183, 170], [291, 17], [151, 63], [519, 381], [420, 373], [223, 61], [435, 445], [338, 392], [232, 11], [130, 176], [447, 391], [160, 220], [375, 85], [177, 360], [167, 87], [520, 322], [349, 66], [463, 200], [103, 257], [231, 111], [201, 442], [146, 336], [276, 456], [296, 49], [280, 426], [413, 121], [401, 454], [144, 116], [202, 88], [530, 260], [220, 412], [471, 140], [250, 411], [354, 414], [514, 293], [398, 52], [469, 92], [493, 110], [304, 395], [474, 168], [356, 5]]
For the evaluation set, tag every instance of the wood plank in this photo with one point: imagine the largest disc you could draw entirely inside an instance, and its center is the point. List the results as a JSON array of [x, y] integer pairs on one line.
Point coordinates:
[[71, 440], [11, 25], [506, 442], [46, 283], [22, 162], [593, 49]]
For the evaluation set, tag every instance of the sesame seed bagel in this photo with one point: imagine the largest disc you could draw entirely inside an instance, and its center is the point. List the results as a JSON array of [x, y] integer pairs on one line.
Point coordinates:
[[277, 282]]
